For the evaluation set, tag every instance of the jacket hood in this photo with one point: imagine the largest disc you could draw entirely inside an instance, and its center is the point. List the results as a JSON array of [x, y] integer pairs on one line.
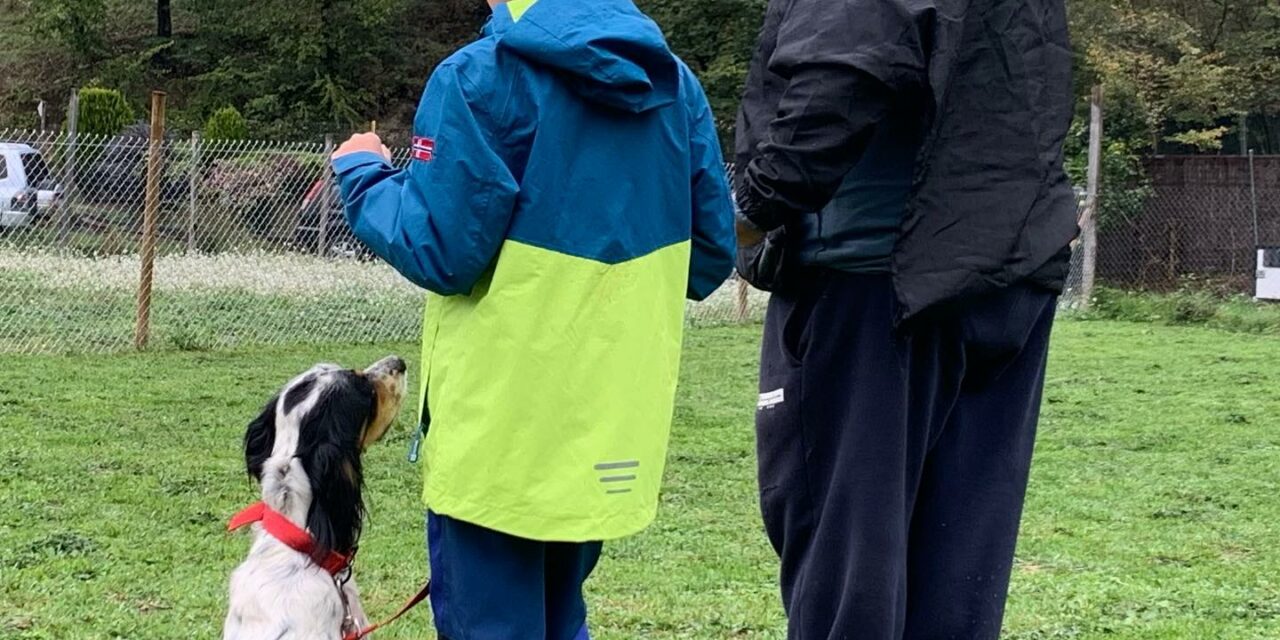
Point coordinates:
[[607, 50]]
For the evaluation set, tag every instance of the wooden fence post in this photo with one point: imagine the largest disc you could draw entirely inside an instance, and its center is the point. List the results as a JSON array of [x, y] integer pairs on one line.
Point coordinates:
[[142, 330], [1244, 133], [744, 290], [1089, 223]]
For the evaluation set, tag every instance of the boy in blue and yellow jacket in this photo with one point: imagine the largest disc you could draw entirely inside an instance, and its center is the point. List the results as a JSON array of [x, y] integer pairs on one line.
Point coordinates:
[[565, 195]]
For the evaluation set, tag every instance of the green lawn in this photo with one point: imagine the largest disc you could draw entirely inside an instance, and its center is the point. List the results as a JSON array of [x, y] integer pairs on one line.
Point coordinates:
[[1153, 511]]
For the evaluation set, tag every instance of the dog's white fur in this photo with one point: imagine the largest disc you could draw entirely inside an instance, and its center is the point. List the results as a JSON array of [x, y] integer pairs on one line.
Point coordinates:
[[278, 593]]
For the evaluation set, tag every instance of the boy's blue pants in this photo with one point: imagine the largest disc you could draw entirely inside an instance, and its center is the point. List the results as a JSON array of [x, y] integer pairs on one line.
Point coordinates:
[[487, 585]]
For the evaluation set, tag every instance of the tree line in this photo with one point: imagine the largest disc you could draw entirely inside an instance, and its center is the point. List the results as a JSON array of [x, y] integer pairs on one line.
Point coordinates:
[[1180, 75]]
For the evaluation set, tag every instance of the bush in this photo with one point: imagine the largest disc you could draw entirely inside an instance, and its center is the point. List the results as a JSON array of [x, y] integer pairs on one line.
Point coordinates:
[[226, 124], [1188, 306], [103, 112]]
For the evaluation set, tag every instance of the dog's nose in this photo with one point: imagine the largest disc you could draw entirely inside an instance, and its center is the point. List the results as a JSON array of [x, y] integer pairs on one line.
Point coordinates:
[[398, 365]]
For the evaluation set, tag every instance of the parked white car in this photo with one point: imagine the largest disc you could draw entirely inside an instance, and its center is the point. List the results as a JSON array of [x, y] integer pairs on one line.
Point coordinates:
[[27, 189]]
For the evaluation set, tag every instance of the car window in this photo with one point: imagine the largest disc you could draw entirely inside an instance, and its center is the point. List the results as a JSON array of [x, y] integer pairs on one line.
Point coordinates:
[[4, 169], [1271, 258], [37, 171]]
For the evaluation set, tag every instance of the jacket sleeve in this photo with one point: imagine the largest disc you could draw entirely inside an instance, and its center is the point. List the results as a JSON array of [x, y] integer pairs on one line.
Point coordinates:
[[441, 221], [844, 62], [712, 256]]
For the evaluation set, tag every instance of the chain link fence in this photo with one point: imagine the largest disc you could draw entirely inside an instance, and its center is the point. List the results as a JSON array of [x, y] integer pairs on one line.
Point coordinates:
[[1196, 222], [251, 247]]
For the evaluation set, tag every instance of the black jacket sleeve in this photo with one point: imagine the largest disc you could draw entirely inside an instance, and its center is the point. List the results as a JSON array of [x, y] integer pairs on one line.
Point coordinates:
[[843, 62], [825, 118]]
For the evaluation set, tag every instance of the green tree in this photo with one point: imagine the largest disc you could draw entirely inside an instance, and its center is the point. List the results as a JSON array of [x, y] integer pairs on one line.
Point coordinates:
[[716, 39], [1188, 66], [226, 124], [304, 68], [103, 112], [76, 25]]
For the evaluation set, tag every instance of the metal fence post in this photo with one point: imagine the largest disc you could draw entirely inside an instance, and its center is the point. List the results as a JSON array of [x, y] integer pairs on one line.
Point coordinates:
[[1089, 225], [69, 191], [142, 329], [325, 199], [193, 189]]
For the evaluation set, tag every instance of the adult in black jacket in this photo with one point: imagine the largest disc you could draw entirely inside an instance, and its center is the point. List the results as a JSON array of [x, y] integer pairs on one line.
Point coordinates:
[[901, 191]]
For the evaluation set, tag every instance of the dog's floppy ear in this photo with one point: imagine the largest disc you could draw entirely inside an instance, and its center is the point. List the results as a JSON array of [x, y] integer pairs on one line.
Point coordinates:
[[329, 448], [260, 439], [337, 508]]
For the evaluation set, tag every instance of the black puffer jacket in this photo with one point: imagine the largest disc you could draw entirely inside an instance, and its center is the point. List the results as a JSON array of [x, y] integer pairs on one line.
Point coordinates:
[[991, 205]]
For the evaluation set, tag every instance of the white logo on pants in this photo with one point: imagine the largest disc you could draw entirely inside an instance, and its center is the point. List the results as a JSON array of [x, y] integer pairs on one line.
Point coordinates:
[[770, 399]]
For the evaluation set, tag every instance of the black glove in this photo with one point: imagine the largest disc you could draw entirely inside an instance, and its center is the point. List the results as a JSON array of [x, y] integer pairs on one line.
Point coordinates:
[[764, 259]]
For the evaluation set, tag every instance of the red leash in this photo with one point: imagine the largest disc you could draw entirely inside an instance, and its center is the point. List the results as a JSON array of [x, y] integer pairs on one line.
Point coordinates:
[[296, 538], [413, 602]]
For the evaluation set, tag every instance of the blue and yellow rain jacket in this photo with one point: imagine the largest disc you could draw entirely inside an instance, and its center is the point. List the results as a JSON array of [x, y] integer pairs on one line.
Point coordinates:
[[566, 194]]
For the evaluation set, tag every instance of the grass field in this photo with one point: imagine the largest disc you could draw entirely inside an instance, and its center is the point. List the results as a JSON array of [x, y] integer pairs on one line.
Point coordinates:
[[1153, 511]]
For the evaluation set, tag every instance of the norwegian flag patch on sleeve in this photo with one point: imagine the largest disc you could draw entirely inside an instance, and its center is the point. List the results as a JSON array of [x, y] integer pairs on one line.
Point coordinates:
[[423, 149]]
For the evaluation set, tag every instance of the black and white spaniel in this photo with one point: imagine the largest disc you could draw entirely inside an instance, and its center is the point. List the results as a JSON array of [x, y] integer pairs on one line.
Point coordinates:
[[305, 451]]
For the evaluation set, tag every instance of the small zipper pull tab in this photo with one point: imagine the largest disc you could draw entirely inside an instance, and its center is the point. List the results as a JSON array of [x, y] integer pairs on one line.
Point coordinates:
[[415, 445]]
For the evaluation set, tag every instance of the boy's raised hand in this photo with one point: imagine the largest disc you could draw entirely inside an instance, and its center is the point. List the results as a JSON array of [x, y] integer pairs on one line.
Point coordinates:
[[363, 142]]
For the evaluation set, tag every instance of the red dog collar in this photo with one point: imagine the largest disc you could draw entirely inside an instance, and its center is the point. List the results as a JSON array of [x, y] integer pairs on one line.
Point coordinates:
[[296, 538], [281, 528]]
